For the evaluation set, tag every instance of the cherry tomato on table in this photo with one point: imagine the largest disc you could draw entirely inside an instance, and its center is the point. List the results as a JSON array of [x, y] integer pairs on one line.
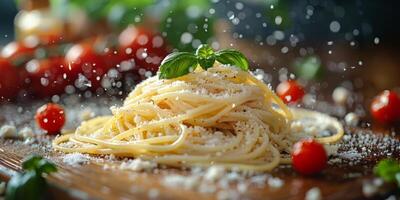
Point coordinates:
[[146, 48], [385, 107], [309, 157], [10, 80], [47, 76], [85, 63], [290, 91], [50, 117]]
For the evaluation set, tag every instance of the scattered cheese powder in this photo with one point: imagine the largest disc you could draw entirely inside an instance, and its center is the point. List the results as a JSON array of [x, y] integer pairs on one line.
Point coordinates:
[[26, 132], [313, 194], [138, 165], [8, 131], [75, 159], [214, 172]]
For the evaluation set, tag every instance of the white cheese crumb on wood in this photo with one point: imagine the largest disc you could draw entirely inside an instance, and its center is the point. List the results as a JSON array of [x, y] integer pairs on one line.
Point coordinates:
[[26, 132], [275, 182], [214, 173], [8, 131], [75, 159], [138, 165], [313, 194]]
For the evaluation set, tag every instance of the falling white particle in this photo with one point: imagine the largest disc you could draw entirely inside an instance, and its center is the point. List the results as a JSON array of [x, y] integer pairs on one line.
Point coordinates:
[[376, 40], [340, 95], [211, 11], [157, 41], [334, 26], [128, 51], [278, 20], [143, 39], [352, 119], [284, 49], [239, 5], [186, 38]]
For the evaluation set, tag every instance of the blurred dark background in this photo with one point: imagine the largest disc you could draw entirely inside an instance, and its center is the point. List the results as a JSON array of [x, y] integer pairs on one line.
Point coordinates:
[[351, 40]]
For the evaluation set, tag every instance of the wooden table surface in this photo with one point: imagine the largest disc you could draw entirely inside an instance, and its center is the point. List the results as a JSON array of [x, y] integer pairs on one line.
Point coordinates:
[[93, 181]]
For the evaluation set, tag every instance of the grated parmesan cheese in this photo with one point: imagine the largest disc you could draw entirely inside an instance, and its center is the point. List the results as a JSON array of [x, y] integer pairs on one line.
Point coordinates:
[[8, 131], [26, 132], [75, 159], [313, 194], [214, 172], [138, 165]]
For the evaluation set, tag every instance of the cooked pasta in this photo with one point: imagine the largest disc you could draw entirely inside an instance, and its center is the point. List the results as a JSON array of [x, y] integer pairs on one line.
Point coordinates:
[[222, 116]]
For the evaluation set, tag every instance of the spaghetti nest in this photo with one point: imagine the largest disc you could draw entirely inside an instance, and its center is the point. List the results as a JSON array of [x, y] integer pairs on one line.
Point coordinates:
[[221, 116]]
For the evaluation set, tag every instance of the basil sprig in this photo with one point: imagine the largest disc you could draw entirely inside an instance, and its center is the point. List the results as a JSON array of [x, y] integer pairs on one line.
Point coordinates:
[[181, 63], [388, 170], [30, 184]]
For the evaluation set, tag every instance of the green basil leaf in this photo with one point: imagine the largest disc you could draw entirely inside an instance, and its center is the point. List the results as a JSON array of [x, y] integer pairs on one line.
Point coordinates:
[[397, 176], [31, 162], [28, 186], [232, 57], [387, 169], [38, 164], [177, 64], [205, 56], [45, 166]]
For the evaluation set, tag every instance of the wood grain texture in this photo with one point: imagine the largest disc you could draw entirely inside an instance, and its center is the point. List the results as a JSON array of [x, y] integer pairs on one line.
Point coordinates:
[[92, 181]]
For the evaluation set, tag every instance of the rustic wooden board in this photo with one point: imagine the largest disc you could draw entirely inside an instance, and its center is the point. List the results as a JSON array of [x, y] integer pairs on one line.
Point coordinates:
[[92, 180]]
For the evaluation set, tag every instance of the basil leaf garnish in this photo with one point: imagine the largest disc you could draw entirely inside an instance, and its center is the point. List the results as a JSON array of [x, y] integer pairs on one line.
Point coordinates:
[[177, 64], [205, 56], [232, 57], [30, 184], [181, 63]]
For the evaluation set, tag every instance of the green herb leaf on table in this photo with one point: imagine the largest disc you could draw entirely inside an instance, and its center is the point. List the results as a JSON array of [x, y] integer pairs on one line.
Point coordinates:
[[205, 56], [177, 64], [30, 184], [388, 170], [232, 57], [181, 63]]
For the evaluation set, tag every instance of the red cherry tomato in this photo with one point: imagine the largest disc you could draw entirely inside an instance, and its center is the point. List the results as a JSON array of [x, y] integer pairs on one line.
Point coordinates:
[[84, 60], [143, 46], [10, 82], [50, 117], [385, 107], [47, 76], [19, 52], [290, 91], [308, 157]]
